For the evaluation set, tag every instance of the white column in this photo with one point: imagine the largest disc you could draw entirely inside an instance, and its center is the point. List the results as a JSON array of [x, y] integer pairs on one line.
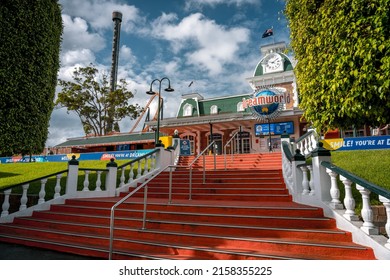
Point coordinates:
[[111, 177], [72, 178], [320, 177]]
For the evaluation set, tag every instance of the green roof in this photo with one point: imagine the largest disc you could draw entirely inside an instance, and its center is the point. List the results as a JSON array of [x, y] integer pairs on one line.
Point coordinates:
[[109, 140], [226, 104]]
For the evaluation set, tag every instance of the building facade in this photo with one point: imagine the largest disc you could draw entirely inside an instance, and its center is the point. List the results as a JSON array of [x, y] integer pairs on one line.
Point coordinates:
[[202, 120]]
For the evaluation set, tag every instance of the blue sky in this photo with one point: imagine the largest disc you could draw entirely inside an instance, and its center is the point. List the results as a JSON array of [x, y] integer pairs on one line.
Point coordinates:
[[214, 43]]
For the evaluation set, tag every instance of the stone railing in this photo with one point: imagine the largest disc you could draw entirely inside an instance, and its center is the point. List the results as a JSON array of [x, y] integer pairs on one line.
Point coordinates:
[[307, 142], [318, 184], [38, 194]]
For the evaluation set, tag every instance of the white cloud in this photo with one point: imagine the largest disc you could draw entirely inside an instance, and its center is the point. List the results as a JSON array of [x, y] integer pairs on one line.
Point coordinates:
[[207, 44], [73, 57], [190, 4], [77, 36], [99, 13]]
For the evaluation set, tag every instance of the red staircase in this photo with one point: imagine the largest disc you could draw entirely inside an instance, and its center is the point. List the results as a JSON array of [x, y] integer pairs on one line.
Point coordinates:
[[244, 212]]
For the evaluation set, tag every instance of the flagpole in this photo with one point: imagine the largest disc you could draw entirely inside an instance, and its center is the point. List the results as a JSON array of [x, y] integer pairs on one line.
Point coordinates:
[[273, 36]]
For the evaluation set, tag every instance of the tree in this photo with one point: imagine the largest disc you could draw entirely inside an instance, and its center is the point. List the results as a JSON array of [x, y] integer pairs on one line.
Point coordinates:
[[30, 33], [90, 97], [343, 54]]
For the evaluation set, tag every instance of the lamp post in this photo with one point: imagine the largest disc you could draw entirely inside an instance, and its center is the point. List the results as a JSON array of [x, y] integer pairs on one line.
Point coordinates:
[[269, 133], [151, 92]]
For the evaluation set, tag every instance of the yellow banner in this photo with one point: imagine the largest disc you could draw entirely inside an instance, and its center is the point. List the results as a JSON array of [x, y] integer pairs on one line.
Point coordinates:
[[333, 144]]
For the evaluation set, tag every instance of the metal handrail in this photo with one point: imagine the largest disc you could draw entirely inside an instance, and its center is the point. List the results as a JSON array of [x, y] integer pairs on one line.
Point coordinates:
[[143, 185], [227, 143], [204, 169]]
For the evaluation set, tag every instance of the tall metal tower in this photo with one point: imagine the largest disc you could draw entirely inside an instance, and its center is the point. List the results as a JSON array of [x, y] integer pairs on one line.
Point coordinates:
[[117, 19]]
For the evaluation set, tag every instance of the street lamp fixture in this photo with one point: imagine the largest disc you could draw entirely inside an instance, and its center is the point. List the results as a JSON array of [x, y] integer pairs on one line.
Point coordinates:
[[151, 92]]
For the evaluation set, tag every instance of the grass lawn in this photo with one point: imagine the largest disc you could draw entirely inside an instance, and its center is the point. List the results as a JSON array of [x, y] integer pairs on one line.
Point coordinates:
[[16, 173], [371, 165]]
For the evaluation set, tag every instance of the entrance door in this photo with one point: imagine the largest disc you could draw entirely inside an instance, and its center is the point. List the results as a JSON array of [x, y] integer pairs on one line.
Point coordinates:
[[217, 149], [242, 143]]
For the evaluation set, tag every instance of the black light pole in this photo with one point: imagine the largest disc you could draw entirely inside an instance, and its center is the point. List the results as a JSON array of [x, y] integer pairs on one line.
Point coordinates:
[[151, 92], [211, 137], [269, 132]]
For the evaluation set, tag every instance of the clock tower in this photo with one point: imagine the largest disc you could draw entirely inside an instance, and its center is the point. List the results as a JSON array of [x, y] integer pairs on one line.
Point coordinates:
[[275, 69]]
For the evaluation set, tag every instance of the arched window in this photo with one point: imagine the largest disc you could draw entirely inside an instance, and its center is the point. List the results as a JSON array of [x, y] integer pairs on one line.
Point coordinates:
[[187, 110], [214, 109], [240, 108]]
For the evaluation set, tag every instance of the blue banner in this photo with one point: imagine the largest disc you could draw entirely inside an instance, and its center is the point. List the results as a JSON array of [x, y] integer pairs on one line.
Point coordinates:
[[276, 128], [357, 143], [185, 147], [130, 154]]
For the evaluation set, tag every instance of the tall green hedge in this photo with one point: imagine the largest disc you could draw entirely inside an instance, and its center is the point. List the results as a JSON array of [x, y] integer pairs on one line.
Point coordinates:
[[30, 32]]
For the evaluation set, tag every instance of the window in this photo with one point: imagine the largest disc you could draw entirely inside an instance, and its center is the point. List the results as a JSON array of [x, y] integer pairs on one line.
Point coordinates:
[[240, 108], [214, 110], [187, 110]]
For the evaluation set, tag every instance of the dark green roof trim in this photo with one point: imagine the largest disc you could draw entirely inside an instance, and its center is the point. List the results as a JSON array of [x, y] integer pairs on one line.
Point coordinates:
[[109, 140]]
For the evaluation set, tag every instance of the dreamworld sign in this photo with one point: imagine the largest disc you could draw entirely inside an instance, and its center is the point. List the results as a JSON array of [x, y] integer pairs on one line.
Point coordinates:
[[265, 103]]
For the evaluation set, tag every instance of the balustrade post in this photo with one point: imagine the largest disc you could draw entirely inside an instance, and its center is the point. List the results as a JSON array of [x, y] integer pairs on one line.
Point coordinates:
[[305, 180], [367, 213], [123, 178], [99, 181], [131, 173], [86, 181], [334, 190], [311, 181], [321, 179], [73, 174], [57, 188], [24, 198], [42, 192], [112, 167], [349, 201], [386, 203], [5, 206]]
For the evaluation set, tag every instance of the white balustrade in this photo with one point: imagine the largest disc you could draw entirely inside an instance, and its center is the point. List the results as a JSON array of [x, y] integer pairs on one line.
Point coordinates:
[[6, 205], [349, 201], [367, 213], [122, 178], [99, 181], [131, 173], [305, 180], [24, 198], [386, 203], [311, 182], [86, 180], [42, 192], [139, 170], [57, 188], [334, 190]]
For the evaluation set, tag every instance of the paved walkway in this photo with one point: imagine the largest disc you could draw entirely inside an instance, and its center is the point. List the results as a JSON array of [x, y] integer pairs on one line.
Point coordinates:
[[19, 252]]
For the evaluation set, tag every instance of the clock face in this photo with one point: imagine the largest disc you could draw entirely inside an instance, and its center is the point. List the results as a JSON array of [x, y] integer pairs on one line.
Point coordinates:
[[273, 62]]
